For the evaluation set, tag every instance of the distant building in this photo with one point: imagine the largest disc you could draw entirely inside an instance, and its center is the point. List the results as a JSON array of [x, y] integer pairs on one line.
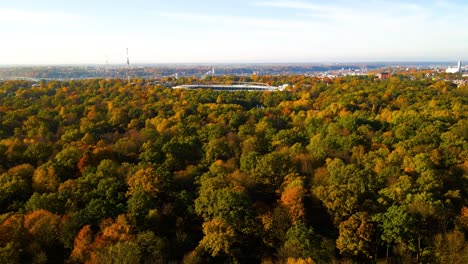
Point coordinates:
[[460, 82], [383, 75], [233, 87], [454, 69]]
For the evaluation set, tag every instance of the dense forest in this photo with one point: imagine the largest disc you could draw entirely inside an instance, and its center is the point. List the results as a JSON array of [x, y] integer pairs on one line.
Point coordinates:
[[353, 170]]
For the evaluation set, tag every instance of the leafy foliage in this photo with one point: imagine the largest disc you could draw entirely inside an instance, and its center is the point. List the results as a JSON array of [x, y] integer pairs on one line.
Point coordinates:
[[355, 168]]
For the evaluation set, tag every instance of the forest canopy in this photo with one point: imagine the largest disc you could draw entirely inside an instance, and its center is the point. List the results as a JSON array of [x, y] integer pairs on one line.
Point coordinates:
[[355, 168]]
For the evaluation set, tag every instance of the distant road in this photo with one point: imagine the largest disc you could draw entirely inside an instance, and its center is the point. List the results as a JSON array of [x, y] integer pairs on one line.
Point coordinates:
[[19, 78]]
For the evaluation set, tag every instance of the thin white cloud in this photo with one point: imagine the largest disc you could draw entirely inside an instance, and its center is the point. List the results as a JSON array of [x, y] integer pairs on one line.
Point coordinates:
[[396, 18], [343, 10], [240, 21], [297, 5], [36, 17], [374, 11]]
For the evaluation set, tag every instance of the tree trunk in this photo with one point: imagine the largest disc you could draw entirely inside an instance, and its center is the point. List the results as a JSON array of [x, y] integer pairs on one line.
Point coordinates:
[[386, 257], [419, 250]]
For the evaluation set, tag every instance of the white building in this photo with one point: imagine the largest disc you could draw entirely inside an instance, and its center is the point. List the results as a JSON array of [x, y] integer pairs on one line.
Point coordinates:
[[454, 69], [232, 87]]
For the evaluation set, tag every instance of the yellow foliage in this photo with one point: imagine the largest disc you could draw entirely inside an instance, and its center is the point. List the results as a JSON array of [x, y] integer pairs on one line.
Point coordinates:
[[451, 247], [304, 160], [218, 238], [321, 176], [464, 212], [45, 179], [267, 221], [300, 261], [23, 170], [145, 178], [344, 112], [188, 173], [117, 231], [43, 225]]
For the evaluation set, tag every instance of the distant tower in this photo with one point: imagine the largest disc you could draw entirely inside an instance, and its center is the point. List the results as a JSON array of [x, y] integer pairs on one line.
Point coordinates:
[[107, 68], [128, 66], [213, 72], [459, 65]]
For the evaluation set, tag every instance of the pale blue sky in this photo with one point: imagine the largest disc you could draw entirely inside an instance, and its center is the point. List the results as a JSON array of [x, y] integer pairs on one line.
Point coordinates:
[[179, 31]]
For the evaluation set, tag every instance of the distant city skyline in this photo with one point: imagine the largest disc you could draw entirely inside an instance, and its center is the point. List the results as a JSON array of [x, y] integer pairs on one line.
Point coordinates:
[[242, 31]]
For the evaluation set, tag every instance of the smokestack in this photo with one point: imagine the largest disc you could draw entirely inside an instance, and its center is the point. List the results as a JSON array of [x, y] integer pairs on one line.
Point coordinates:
[[128, 67], [128, 60]]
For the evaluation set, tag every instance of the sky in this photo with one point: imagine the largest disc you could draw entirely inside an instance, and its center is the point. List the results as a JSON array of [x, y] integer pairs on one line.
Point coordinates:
[[225, 31]]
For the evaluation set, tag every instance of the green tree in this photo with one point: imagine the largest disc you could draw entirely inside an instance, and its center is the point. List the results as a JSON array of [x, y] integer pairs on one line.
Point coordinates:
[[15, 187], [302, 243]]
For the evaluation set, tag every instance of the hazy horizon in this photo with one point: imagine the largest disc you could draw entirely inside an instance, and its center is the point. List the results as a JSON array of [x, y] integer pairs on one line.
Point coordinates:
[[165, 64], [246, 31]]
